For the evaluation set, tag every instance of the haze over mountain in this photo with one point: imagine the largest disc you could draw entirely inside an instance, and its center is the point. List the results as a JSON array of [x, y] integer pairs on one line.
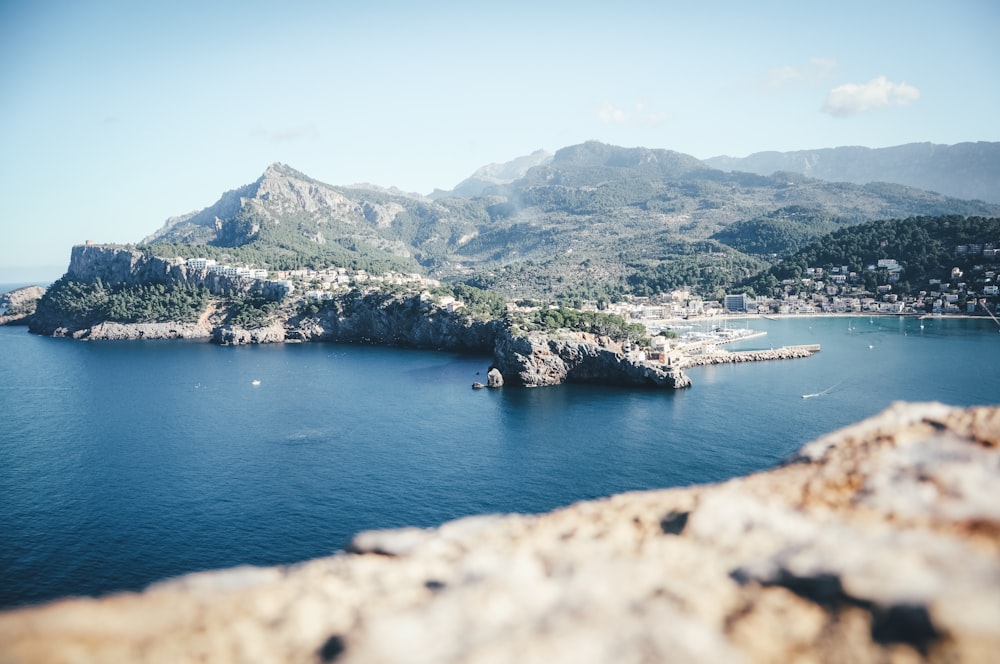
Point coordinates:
[[590, 217], [494, 174], [964, 170]]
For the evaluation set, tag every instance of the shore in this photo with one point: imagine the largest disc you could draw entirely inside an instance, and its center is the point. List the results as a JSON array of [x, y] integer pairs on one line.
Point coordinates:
[[667, 323]]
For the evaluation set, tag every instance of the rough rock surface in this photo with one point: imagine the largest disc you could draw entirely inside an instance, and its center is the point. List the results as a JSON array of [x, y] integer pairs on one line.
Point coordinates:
[[878, 543], [494, 378], [19, 304], [122, 266], [116, 265], [395, 320], [536, 360], [785, 353], [135, 331], [20, 297], [231, 335]]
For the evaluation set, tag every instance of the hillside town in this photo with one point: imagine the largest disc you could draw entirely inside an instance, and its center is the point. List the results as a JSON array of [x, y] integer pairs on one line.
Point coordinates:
[[838, 290], [833, 290]]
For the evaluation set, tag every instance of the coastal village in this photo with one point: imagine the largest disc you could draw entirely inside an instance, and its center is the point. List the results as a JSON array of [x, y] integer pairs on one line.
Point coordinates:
[[689, 347], [821, 291], [834, 291], [831, 290], [680, 328]]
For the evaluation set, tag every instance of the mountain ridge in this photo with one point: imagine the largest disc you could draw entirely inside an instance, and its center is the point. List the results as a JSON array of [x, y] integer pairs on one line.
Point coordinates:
[[495, 174], [592, 214], [969, 170]]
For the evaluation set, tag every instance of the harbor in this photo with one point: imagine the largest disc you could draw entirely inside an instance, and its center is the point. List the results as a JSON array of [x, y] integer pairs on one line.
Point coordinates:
[[696, 345]]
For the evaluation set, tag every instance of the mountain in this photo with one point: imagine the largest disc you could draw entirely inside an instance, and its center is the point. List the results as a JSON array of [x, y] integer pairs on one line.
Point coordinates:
[[964, 170], [590, 220], [287, 219], [496, 174]]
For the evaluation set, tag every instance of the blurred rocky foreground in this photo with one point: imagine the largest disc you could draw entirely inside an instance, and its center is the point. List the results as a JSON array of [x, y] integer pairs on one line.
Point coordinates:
[[878, 543]]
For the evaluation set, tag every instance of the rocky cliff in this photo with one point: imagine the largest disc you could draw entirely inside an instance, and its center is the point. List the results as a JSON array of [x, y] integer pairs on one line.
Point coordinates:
[[395, 320], [117, 265], [877, 543], [375, 317], [536, 360], [17, 306]]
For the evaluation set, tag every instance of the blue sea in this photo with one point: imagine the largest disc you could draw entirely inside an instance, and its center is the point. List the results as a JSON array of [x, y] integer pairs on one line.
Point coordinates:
[[123, 463]]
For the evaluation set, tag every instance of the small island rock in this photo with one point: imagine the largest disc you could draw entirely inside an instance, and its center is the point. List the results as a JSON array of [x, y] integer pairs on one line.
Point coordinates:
[[494, 378]]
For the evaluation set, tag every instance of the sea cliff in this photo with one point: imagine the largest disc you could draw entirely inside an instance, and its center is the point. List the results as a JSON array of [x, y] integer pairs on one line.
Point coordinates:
[[373, 316], [876, 543], [115, 265], [18, 306]]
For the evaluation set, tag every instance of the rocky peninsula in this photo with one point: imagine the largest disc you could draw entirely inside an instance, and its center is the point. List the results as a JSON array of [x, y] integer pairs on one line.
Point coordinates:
[[537, 359], [104, 285], [876, 543], [17, 306], [372, 316]]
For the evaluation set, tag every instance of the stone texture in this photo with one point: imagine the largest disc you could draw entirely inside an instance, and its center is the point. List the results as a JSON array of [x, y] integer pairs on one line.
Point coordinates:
[[19, 303], [536, 360], [232, 335], [494, 378], [394, 320], [136, 331], [733, 357], [877, 543]]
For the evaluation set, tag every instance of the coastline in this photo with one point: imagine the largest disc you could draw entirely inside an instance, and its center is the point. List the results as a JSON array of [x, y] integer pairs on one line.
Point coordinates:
[[822, 314]]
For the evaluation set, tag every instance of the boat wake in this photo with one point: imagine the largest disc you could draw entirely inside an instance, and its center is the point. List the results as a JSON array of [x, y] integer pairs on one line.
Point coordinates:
[[819, 394]]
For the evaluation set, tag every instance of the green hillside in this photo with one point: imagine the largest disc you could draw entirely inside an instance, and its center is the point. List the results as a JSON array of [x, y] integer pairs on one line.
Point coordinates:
[[926, 248], [593, 221]]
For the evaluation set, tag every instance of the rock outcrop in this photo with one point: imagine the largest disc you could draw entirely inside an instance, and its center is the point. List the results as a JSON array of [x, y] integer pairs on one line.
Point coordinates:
[[135, 331], [494, 378], [395, 320], [877, 543], [232, 335], [535, 360], [116, 265], [19, 304]]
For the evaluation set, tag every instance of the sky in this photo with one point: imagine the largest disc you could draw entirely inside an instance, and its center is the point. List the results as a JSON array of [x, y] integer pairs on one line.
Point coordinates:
[[115, 115]]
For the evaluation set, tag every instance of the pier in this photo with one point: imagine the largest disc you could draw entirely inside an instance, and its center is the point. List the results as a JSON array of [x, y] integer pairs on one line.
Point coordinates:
[[729, 357]]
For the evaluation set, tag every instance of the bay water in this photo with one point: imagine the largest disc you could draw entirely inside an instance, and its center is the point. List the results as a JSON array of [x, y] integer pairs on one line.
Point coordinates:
[[124, 463]]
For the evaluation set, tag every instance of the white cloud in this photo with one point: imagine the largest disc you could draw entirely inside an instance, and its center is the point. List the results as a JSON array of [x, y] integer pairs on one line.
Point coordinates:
[[879, 93], [608, 113], [817, 70]]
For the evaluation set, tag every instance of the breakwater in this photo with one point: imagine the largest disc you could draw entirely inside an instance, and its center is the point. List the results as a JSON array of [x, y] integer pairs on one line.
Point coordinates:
[[730, 357]]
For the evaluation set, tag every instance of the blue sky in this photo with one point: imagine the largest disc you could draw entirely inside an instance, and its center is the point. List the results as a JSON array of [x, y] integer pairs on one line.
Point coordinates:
[[117, 115]]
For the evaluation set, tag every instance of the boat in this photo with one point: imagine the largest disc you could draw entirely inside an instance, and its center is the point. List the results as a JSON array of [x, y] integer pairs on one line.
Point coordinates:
[[255, 382]]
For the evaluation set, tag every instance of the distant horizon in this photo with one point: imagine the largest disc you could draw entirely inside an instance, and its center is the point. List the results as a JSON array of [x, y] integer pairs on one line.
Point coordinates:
[[18, 277]]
